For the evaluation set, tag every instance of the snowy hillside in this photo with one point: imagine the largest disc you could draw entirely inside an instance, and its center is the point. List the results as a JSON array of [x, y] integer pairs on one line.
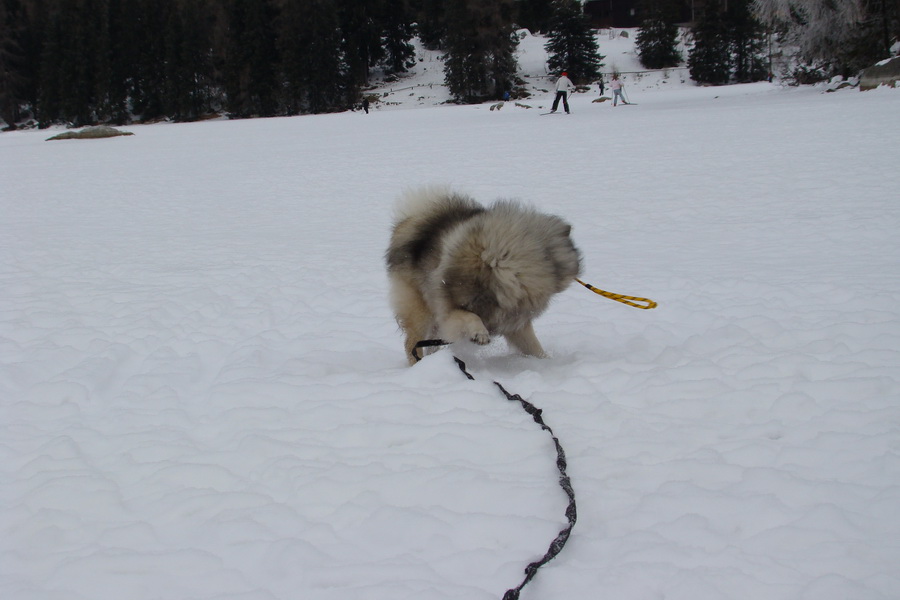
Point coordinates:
[[424, 85], [203, 395]]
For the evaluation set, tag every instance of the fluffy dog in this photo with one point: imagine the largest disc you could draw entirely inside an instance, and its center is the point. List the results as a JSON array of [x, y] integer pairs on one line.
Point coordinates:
[[459, 270]]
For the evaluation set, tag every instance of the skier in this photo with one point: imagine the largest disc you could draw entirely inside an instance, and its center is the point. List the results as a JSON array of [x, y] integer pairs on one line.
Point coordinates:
[[616, 86], [563, 85]]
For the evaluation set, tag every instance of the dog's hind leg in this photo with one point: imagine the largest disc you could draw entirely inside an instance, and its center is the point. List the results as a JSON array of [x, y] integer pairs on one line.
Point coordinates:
[[525, 341]]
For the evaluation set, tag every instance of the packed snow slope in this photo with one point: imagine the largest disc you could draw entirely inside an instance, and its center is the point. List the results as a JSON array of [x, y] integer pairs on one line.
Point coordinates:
[[424, 87], [204, 394]]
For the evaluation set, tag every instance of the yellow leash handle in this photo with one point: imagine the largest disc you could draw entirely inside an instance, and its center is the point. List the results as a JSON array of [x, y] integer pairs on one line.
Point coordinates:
[[634, 301]]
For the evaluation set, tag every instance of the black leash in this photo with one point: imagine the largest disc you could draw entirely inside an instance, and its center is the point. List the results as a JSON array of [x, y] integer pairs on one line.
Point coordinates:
[[565, 483]]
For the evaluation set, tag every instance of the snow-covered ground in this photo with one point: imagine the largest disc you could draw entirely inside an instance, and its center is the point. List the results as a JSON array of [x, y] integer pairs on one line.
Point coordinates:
[[204, 394]]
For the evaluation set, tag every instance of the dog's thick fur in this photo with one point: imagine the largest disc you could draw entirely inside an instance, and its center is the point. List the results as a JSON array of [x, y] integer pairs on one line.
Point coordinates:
[[461, 271]]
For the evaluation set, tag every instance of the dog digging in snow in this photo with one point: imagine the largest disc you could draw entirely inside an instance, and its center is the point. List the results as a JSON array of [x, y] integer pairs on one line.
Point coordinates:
[[462, 271]]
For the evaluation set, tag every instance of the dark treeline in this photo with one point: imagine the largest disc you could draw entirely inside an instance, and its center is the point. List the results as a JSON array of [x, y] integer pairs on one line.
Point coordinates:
[[87, 61]]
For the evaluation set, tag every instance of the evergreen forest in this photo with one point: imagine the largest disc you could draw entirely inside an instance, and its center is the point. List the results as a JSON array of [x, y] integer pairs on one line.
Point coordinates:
[[80, 62]]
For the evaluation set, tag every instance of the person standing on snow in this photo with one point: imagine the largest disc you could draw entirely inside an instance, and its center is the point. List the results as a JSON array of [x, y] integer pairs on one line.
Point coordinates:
[[563, 85], [616, 86]]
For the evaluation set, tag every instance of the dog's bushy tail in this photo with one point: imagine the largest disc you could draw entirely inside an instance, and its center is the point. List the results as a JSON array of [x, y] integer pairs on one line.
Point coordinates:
[[422, 200]]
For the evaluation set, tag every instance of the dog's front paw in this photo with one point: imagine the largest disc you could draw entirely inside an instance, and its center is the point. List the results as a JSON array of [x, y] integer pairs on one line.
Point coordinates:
[[463, 325], [482, 338]]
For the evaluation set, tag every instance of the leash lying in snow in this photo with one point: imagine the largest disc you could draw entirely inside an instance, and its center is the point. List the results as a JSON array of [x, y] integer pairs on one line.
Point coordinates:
[[634, 301], [565, 483]]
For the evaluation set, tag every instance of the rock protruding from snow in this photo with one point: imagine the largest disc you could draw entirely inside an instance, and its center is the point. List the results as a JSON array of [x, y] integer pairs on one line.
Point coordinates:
[[91, 133], [886, 72]]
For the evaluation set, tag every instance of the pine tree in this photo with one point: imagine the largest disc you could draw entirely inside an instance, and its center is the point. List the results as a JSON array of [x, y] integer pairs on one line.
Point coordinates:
[[657, 39], [31, 35], [250, 78], [376, 32], [12, 62], [572, 46], [727, 46], [534, 15], [397, 29], [74, 64], [747, 34], [99, 50], [192, 71], [146, 29], [315, 74], [47, 109], [431, 16], [362, 37], [480, 42], [122, 60], [709, 59]]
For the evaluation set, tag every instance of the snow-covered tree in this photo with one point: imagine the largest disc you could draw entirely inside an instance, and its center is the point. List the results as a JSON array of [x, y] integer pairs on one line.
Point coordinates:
[[817, 27], [840, 36]]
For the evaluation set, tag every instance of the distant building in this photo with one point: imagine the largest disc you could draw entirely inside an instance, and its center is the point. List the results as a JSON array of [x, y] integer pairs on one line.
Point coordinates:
[[612, 13], [626, 13]]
